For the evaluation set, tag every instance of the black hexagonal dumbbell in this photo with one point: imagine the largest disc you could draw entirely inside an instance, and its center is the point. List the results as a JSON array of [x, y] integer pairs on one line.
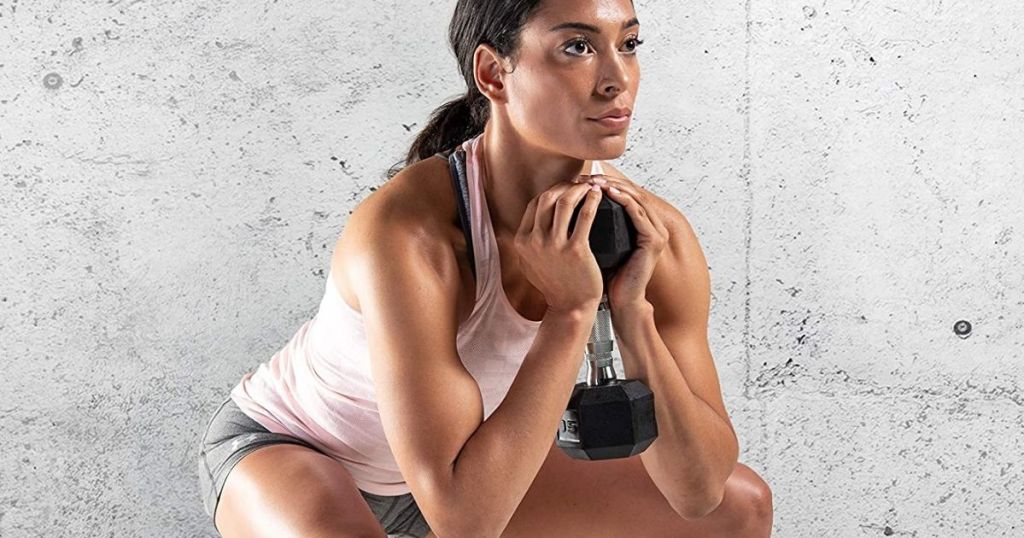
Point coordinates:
[[607, 417]]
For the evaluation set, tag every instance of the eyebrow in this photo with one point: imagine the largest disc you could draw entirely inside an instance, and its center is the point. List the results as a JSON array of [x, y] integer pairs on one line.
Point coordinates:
[[589, 28]]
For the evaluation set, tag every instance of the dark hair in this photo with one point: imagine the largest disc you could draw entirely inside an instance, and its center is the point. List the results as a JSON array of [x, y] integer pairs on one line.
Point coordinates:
[[498, 23]]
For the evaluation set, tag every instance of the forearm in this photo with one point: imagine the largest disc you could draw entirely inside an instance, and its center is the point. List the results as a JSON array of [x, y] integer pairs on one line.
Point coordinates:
[[498, 463], [696, 449]]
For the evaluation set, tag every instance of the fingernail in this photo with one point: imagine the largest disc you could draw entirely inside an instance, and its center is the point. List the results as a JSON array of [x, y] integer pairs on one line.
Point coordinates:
[[613, 189], [595, 187]]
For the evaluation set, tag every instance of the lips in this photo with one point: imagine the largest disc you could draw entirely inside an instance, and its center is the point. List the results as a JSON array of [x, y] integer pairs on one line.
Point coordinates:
[[612, 122], [614, 113]]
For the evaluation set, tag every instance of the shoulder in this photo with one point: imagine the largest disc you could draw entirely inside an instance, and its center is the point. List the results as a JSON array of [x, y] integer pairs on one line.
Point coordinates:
[[420, 195], [415, 208], [418, 201]]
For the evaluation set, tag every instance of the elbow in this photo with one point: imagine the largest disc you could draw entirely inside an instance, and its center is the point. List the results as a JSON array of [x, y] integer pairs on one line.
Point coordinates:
[[471, 519], [448, 517], [698, 508], [448, 523]]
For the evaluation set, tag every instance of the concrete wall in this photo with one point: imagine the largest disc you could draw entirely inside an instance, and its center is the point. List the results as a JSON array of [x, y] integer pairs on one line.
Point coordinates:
[[173, 176]]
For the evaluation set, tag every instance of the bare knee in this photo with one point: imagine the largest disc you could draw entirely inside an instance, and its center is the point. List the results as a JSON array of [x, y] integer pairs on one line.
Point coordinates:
[[757, 499]]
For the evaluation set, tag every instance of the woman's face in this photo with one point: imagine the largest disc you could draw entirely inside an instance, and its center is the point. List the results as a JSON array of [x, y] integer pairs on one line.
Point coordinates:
[[568, 75]]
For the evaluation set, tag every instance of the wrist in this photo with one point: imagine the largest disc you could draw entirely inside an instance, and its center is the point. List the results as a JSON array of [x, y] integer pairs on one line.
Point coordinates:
[[583, 313], [633, 308], [632, 316]]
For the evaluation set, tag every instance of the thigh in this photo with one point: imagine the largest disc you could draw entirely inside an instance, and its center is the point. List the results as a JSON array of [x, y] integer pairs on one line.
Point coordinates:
[[258, 483], [288, 490], [606, 498]]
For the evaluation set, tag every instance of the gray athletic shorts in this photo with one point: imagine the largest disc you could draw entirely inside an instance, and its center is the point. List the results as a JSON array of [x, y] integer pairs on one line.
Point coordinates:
[[230, 434]]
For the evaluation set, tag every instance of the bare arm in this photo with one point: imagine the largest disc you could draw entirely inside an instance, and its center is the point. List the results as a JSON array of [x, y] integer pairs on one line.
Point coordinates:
[[500, 460], [467, 475]]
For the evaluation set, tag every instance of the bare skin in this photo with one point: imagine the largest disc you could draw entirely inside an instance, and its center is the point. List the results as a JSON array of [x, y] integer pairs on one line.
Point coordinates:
[[617, 498], [290, 490], [259, 495], [541, 108], [538, 135], [287, 490]]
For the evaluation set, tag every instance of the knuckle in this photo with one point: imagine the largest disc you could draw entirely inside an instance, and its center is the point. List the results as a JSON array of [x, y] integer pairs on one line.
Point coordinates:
[[580, 247], [564, 202]]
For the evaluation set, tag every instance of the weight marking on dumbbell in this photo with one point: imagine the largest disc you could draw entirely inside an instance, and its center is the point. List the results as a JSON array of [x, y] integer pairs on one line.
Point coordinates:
[[569, 429]]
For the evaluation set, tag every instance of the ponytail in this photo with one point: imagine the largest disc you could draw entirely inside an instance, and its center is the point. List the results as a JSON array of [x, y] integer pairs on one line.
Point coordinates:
[[498, 23], [449, 125]]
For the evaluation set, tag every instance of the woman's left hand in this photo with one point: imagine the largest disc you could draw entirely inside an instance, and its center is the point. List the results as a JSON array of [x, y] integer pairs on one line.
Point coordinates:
[[629, 284]]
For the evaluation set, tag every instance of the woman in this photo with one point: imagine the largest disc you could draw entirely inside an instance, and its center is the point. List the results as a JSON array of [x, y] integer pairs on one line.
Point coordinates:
[[423, 397]]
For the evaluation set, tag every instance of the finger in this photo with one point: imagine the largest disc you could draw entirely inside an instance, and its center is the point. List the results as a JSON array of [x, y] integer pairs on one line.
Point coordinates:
[[601, 177], [658, 223], [637, 212], [629, 188], [526, 224], [581, 233], [622, 184], [645, 200], [546, 206], [565, 207]]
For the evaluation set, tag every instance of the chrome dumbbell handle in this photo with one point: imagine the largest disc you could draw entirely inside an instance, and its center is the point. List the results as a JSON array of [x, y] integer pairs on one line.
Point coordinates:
[[600, 370]]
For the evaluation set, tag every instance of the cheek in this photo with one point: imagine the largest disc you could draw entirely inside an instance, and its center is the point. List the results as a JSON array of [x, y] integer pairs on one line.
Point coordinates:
[[549, 104]]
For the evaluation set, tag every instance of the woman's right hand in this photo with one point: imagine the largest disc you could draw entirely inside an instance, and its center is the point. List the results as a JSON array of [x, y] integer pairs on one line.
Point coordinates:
[[561, 267]]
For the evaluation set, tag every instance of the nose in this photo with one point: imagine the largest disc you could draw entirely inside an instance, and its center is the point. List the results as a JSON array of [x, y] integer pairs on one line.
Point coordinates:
[[617, 76]]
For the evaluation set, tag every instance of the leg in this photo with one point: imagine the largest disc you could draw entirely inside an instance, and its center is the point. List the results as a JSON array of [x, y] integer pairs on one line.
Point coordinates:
[[288, 490], [617, 498], [750, 502]]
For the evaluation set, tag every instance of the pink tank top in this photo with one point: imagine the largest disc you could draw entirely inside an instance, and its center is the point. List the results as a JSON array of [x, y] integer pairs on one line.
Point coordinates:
[[318, 386]]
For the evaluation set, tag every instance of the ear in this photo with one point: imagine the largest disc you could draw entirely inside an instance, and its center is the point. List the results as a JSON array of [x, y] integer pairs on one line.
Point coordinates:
[[489, 72]]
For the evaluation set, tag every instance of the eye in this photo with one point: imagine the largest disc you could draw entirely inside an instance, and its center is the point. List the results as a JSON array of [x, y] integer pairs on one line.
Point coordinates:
[[584, 41], [636, 42], [577, 42]]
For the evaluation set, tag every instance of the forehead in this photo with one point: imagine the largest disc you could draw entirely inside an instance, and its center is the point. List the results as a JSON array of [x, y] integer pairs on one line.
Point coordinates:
[[606, 15]]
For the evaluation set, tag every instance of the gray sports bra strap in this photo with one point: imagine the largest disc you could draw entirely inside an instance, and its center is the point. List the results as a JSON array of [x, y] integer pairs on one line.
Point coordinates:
[[457, 169]]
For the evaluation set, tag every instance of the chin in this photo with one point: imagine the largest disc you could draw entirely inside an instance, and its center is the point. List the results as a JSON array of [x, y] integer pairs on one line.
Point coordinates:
[[607, 147], [594, 147]]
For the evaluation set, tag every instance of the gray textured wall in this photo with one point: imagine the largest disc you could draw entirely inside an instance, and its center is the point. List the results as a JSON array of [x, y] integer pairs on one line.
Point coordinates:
[[174, 175]]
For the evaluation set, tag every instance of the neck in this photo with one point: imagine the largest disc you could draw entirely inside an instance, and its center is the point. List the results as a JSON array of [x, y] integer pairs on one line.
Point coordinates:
[[515, 172]]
